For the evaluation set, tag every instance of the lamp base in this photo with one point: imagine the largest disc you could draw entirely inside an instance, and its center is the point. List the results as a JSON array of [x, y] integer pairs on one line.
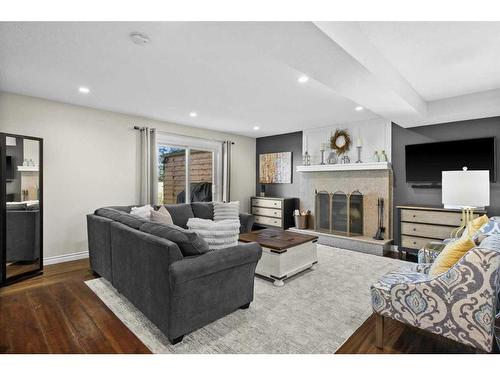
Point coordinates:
[[453, 207]]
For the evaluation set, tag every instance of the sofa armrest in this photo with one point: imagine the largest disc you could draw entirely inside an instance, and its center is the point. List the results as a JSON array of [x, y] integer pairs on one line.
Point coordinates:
[[214, 262], [210, 286], [246, 222]]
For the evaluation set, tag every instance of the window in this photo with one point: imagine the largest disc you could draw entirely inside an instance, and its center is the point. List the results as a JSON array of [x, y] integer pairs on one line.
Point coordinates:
[[189, 169]]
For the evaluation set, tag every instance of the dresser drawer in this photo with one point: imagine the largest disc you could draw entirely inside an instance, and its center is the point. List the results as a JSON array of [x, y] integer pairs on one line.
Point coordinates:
[[268, 221], [415, 242], [432, 217], [426, 230], [266, 212], [266, 203]]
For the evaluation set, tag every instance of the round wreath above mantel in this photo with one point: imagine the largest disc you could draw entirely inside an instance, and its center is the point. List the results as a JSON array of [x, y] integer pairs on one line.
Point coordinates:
[[340, 141]]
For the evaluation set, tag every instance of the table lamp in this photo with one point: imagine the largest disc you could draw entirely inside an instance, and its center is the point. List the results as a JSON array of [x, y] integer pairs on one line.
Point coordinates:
[[465, 190]]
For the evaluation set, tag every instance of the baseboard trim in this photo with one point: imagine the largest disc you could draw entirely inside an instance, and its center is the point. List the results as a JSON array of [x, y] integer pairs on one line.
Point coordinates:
[[65, 258]]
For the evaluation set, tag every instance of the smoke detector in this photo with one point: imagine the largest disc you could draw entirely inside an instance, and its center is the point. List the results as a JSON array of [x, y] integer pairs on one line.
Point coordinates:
[[139, 38]]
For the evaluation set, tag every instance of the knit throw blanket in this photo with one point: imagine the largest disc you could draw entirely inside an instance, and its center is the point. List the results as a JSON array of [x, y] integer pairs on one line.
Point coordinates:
[[219, 235]]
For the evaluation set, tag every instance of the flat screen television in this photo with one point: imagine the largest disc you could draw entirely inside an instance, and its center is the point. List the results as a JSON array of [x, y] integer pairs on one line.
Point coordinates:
[[426, 161]]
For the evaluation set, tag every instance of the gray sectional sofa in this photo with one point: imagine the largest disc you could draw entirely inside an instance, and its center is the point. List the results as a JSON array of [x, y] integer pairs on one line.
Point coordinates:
[[23, 228], [178, 293]]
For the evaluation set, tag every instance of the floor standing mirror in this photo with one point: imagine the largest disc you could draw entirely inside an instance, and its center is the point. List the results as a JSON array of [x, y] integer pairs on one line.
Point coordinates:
[[21, 207]]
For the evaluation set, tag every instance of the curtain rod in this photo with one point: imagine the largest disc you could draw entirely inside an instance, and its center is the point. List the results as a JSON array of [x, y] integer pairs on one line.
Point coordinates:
[[141, 128]]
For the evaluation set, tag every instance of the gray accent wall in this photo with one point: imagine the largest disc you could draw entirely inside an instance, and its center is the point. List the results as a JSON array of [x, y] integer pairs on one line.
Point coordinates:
[[290, 142], [404, 193]]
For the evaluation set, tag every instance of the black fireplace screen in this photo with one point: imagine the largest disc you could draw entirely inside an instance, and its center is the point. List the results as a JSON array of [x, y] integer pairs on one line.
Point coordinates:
[[339, 213]]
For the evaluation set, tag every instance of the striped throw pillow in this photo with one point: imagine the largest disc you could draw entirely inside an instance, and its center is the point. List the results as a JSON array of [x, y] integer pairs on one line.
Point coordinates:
[[226, 211]]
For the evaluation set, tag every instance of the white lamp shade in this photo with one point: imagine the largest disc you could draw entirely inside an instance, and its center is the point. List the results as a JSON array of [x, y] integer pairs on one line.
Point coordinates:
[[465, 189]]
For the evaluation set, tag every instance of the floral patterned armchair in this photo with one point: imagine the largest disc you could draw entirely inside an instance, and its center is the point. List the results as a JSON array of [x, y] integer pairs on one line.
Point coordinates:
[[459, 304]]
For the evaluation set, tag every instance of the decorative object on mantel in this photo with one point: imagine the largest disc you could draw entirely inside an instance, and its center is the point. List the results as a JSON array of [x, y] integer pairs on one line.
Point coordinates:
[[383, 156], [345, 159], [381, 228], [376, 157], [275, 168], [322, 150], [332, 158], [306, 159], [359, 145], [340, 141], [262, 190], [301, 218]]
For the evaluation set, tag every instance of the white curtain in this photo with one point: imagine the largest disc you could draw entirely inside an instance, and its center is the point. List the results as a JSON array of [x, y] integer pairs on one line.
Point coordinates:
[[148, 167], [226, 171]]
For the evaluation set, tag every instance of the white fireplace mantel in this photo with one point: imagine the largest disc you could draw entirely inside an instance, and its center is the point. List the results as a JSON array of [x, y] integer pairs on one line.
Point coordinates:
[[345, 167]]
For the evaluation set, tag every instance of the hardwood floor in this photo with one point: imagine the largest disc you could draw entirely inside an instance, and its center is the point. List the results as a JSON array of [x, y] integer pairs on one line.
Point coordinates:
[[399, 339], [57, 313]]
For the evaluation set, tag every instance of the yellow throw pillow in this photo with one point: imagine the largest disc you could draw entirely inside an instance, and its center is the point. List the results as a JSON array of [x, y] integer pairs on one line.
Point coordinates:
[[450, 255], [474, 226]]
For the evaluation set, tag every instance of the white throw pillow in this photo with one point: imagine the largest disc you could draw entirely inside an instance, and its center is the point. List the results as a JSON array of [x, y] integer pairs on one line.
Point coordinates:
[[162, 216], [226, 211], [218, 235], [144, 211]]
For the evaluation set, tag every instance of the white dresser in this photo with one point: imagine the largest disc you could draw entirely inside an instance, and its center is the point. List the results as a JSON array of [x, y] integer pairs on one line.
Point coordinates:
[[419, 225]]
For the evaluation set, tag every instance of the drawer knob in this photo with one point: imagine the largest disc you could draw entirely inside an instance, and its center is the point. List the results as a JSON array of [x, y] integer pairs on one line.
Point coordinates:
[[414, 229], [414, 243], [414, 215]]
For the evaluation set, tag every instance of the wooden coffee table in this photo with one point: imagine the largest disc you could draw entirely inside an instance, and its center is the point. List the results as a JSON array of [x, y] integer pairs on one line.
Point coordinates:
[[283, 253]]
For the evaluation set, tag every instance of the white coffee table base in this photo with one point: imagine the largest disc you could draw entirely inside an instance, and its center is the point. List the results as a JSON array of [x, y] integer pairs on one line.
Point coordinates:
[[281, 265]]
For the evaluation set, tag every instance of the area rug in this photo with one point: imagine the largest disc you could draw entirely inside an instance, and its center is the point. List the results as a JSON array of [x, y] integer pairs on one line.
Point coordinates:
[[315, 312]]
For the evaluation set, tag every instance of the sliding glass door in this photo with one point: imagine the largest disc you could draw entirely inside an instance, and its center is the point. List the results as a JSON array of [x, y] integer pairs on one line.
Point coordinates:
[[189, 169]]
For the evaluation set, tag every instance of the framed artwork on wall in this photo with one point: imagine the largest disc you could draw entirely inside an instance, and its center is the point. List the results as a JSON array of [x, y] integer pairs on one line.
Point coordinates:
[[275, 168]]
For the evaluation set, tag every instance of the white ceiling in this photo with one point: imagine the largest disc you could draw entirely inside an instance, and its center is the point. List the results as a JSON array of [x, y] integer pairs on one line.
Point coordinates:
[[239, 75], [441, 59]]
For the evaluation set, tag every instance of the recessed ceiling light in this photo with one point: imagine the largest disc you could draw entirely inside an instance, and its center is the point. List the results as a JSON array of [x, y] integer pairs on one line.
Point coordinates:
[[193, 114], [84, 90], [303, 79], [139, 38], [256, 127], [359, 108]]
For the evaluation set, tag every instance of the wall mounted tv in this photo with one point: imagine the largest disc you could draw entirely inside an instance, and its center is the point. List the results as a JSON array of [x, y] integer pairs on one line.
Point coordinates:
[[426, 161]]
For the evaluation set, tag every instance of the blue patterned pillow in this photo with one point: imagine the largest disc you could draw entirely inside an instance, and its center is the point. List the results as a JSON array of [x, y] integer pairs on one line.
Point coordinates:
[[491, 243], [491, 227]]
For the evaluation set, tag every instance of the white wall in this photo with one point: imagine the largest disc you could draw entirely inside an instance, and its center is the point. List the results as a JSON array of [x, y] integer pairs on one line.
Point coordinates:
[[375, 135], [91, 160]]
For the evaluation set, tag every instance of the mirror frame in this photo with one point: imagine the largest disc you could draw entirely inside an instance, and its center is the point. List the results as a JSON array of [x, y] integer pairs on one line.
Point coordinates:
[[4, 280]]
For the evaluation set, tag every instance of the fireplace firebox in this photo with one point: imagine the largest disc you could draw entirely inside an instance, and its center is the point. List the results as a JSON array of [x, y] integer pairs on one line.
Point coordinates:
[[339, 213]]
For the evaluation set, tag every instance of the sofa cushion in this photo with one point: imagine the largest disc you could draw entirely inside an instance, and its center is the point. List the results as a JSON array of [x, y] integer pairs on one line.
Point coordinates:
[[126, 209], [121, 217], [109, 213], [180, 213], [189, 242], [203, 210], [11, 206], [131, 221]]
